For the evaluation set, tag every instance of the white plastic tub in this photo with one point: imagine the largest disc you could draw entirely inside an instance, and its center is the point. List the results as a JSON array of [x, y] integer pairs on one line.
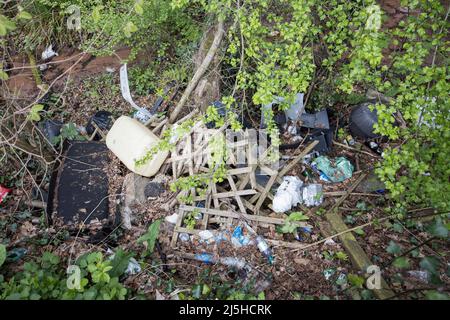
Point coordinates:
[[130, 140]]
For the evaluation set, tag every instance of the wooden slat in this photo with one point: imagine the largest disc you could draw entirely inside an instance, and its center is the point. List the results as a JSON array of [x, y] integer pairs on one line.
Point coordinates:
[[294, 161], [227, 194], [356, 253], [251, 217], [213, 193], [243, 182], [236, 194], [198, 160], [173, 243], [238, 171], [264, 193], [160, 125]]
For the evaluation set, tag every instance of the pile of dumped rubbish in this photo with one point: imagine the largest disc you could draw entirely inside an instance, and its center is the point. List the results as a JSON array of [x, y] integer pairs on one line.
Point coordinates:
[[242, 211]]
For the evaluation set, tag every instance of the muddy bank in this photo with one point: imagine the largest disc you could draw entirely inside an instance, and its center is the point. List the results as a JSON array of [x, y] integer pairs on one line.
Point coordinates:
[[70, 64]]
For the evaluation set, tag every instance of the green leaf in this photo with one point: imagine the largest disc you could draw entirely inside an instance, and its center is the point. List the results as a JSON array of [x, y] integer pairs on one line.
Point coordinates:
[[35, 296], [69, 131], [438, 229], [151, 235], [436, 295], [96, 13], [341, 256], [3, 75], [355, 280], [287, 228], [197, 291], [24, 15], [106, 269], [393, 248], [361, 205], [430, 264], [138, 8], [34, 112], [6, 25], [366, 294], [2, 254], [205, 289], [129, 28], [297, 216], [119, 263], [50, 258], [359, 231], [397, 227], [401, 263]]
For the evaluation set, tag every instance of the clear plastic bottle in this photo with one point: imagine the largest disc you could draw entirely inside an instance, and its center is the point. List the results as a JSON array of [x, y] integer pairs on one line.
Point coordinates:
[[264, 248]]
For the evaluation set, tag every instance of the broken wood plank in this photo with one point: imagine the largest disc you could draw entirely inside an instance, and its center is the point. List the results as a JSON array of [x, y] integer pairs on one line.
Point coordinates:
[[356, 253], [243, 182], [238, 171], [260, 188], [227, 194], [252, 155], [348, 192], [173, 243], [236, 195], [294, 161], [198, 160], [264, 193], [100, 131], [251, 217], [160, 125], [213, 193], [292, 245], [341, 193]]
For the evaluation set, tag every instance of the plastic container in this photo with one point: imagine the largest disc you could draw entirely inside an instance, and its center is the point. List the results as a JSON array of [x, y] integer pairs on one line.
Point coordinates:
[[312, 194], [264, 248], [130, 140]]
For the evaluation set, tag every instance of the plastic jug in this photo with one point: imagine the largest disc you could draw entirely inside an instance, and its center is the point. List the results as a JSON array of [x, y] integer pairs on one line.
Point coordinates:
[[130, 140]]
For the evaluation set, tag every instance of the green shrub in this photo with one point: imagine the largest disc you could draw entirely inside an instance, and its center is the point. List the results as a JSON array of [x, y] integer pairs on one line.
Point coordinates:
[[45, 279], [279, 48]]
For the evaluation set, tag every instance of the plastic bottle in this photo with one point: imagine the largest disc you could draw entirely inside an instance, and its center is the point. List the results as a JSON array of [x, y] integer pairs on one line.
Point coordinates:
[[130, 140], [264, 248], [312, 194], [374, 147], [184, 237]]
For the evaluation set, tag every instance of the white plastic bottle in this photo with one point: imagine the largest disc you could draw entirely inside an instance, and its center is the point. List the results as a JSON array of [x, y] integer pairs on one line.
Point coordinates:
[[130, 140]]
